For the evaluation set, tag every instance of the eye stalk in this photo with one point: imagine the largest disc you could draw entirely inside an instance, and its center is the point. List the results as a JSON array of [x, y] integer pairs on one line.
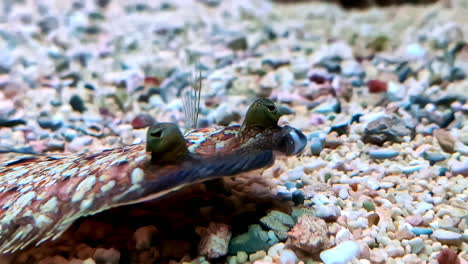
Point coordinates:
[[166, 144], [262, 113], [271, 108], [156, 134]]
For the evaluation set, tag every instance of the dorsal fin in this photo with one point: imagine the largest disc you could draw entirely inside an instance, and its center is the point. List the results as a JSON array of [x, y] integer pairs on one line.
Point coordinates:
[[191, 101]]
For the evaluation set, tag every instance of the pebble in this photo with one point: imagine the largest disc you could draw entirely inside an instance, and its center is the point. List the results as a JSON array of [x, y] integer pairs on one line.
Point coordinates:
[[445, 140], [386, 128], [434, 157], [460, 168], [416, 244], [214, 240], [77, 103], [298, 197], [447, 237], [253, 240], [341, 254], [328, 211], [383, 153], [144, 236], [257, 255], [241, 257], [108, 256], [310, 234], [288, 256], [276, 249], [316, 146], [421, 231], [11, 122], [142, 121], [279, 222], [377, 86]]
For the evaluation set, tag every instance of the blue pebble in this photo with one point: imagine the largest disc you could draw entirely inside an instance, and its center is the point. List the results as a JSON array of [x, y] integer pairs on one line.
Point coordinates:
[[316, 146], [442, 171], [285, 195], [434, 157], [383, 153], [289, 185], [299, 184], [411, 169], [421, 231], [298, 197]]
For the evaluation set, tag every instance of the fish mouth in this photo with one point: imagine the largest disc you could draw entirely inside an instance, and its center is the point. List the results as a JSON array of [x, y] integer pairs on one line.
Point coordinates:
[[293, 141]]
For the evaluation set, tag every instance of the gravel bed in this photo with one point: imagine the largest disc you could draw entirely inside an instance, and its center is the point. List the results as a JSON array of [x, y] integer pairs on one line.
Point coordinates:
[[381, 94]]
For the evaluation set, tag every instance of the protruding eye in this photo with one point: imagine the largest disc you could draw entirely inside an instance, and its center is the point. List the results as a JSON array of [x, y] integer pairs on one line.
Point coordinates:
[[271, 108], [156, 134]]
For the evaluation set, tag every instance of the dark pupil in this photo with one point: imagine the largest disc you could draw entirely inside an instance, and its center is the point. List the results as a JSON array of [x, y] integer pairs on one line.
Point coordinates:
[[156, 134], [271, 107]]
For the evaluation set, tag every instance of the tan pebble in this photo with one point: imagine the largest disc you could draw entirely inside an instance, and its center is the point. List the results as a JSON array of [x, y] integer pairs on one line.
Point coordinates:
[[54, 260], [109, 256], [143, 236], [257, 255], [445, 140]]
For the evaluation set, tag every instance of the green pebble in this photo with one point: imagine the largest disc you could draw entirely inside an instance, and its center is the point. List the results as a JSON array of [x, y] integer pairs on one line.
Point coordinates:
[[232, 260], [297, 212], [241, 257], [273, 239], [368, 205], [253, 240]]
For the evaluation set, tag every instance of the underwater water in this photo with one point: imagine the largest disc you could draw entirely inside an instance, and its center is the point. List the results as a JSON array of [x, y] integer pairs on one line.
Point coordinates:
[[111, 153]]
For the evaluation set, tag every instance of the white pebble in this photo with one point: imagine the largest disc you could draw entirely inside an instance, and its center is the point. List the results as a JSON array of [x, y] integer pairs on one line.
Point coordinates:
[[341, 254], [275, 249], [288, 256]]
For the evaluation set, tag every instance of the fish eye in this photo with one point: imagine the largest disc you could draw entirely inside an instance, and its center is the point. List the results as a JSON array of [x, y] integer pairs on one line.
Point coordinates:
[[156, 134], [271, 108]]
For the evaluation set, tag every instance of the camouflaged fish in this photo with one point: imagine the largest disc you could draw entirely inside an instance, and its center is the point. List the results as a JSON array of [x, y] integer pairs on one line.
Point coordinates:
[[41, 196], [259, 130]]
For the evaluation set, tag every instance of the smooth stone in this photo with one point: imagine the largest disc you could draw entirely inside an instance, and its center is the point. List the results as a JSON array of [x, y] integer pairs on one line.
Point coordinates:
[[421, 231], [383, 153], [298, 197], [316, 146], [433, 157], [327, 211], [341, 254], [288, 256], [275, 249], [460, 168], [410, 169], [448, 237], [241, 257], [387, 128], [50, 123], [289, 185], [395, 92], [445, 140], [11, 122], [77, 103], [417, 244]]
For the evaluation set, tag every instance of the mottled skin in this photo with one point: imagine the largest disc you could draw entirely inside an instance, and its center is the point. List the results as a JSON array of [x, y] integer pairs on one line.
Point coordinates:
[[41, 196], [259, 128]]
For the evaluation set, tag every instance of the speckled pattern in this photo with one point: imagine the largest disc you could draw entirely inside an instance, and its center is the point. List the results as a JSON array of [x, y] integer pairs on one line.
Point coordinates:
[[42, 196]]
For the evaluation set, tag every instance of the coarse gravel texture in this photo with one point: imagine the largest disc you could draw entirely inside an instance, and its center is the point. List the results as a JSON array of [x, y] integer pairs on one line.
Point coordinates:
[[381, 94]]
